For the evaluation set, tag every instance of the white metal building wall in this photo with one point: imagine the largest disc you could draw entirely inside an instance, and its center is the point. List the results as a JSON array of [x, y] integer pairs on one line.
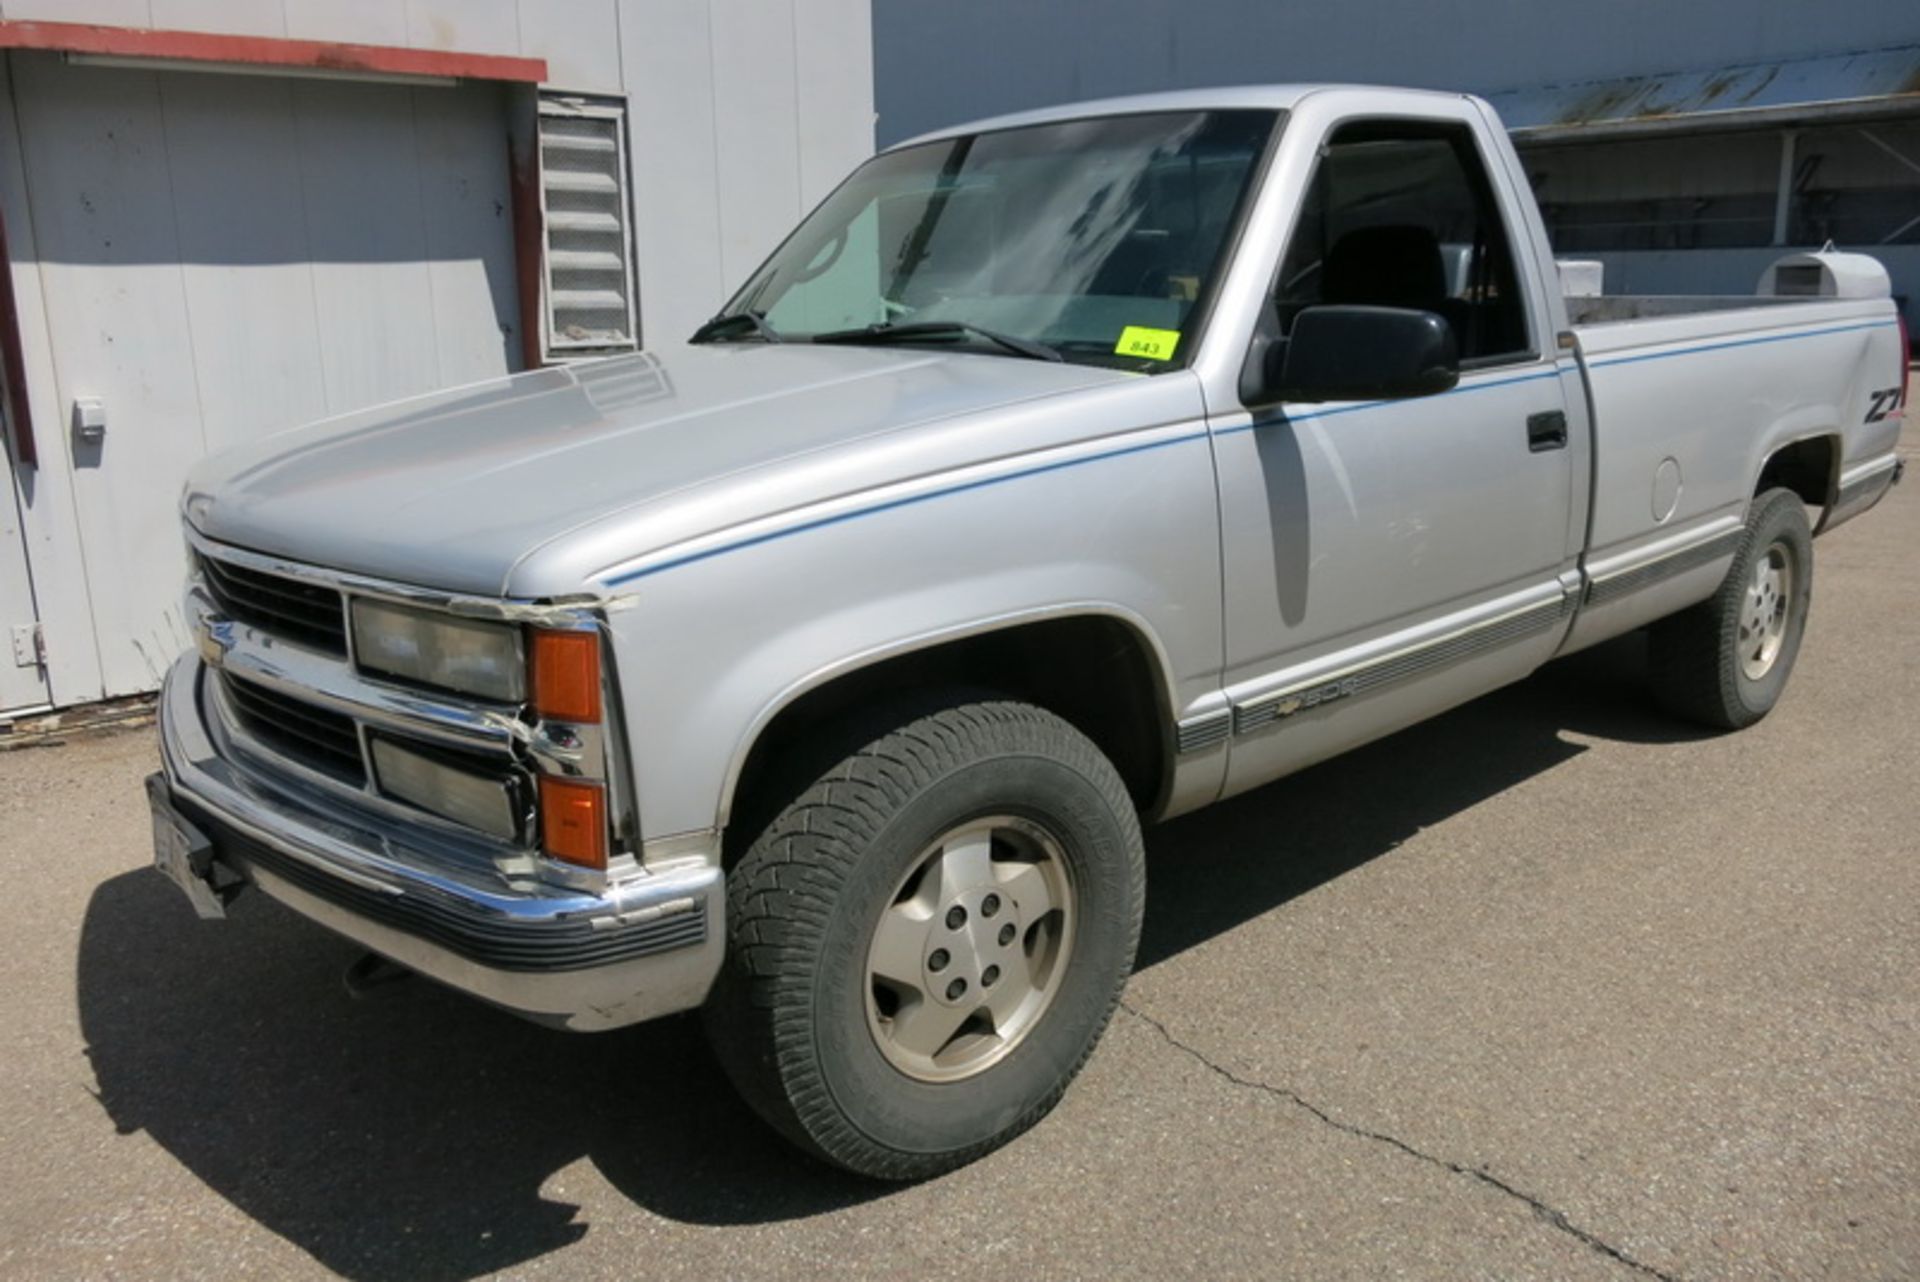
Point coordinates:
[[225, 256], [743, 114], [215, 256]]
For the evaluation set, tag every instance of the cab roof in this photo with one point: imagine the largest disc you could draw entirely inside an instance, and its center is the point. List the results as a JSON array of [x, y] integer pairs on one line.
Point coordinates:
[[1223, 98]]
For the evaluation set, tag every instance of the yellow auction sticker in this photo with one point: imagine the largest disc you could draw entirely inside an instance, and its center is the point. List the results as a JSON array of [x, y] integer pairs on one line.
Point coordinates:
[[1152, 344]]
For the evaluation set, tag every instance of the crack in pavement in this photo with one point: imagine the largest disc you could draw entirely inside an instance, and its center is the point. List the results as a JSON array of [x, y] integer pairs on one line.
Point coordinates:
[[1549, 1215]]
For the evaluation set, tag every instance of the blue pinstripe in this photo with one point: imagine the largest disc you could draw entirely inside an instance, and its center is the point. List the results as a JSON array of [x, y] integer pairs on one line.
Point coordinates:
[[1042, 469]]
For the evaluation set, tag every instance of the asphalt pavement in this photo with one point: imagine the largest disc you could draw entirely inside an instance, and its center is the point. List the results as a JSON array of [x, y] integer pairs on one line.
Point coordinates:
[[1550, 987]]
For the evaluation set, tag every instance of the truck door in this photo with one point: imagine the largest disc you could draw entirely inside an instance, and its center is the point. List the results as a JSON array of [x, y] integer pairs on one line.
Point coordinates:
[[1384, 560]]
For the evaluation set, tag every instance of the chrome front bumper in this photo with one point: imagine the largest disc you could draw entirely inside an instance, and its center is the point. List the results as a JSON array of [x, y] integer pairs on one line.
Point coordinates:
[[649, 945]]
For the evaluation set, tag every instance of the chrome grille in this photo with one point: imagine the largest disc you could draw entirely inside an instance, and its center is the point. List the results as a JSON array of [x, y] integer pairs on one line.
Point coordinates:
[[305, 613], [329, 742], [306, 707], [313, 736]]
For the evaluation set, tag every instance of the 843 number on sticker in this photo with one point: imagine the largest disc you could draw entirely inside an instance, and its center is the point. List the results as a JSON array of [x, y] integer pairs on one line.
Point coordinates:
[[1148, 344]]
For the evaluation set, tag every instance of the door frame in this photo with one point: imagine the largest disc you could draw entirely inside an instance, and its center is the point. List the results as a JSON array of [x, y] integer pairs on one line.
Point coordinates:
[[42, 489]]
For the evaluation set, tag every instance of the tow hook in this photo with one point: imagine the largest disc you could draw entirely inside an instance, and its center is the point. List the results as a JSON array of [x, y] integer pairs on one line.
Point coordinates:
[[371, 971]]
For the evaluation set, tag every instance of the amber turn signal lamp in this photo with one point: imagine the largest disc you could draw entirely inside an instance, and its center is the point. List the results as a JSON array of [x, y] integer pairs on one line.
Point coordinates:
[[573, 821], [566, 675]]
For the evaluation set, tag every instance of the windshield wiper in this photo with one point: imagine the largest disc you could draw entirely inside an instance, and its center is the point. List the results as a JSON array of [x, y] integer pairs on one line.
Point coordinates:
[[754, 323], [906, 333]]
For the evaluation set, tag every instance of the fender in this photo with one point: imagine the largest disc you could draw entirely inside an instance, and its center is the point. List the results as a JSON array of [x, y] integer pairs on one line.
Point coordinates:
[[825, 675]]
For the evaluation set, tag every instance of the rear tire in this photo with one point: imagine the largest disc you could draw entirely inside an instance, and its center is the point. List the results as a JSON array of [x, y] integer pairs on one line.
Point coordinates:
[[927, 941], [1725, 661]]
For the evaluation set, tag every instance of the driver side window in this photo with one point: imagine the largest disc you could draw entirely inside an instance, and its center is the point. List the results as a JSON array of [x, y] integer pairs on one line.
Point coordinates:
[[1400, 214]]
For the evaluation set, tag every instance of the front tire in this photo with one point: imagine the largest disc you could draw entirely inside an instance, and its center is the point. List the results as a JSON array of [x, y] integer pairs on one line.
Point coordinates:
[[928, 940], [1725, 661]]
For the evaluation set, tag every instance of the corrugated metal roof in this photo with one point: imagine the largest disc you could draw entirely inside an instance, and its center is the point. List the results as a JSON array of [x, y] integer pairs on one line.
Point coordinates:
[[1876, 83]]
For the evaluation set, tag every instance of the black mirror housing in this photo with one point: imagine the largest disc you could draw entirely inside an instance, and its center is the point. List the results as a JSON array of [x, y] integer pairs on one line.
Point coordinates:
[[1340, 352]]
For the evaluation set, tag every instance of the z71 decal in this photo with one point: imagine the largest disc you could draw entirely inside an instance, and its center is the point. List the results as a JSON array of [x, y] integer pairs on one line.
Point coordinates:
[[1883, 404]]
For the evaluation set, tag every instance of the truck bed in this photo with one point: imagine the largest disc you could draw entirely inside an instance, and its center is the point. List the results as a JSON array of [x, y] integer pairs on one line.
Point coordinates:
[[1689, 395]]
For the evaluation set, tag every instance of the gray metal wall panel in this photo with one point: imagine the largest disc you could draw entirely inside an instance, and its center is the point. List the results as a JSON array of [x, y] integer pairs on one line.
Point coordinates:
[[468, 224], [756, 131], [833, 42], [371, 286], [115, 13], [667, 51], [470, 26], [937, 63], [233, 17], [580, 40], [367, 22], [243, 245]]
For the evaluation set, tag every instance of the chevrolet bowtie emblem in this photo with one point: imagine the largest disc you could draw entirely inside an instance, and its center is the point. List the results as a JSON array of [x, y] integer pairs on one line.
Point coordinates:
[[214, 639]]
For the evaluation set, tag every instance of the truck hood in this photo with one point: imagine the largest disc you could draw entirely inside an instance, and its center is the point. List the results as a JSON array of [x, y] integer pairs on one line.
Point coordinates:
[[453, 490]]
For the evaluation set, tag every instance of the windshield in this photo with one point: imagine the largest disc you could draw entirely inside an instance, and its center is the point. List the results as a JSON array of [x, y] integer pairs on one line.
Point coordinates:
[[1093, 238]]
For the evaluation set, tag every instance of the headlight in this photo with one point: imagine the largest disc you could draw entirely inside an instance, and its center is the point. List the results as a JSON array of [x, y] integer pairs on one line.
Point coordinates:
[[467, 655]]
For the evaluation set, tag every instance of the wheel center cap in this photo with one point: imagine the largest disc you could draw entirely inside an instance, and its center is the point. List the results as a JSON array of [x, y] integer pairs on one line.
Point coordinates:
[[972, 937]]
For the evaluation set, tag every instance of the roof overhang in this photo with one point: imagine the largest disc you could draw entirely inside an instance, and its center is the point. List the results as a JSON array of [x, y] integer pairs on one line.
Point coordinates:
[[1878, 84], [207, 51]]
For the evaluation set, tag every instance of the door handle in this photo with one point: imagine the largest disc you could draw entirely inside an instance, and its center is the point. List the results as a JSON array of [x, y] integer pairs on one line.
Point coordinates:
[[1546, 431]]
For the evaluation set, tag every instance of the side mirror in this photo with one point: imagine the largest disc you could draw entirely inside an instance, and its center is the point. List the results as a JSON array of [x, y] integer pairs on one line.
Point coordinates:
[[1353, 353]]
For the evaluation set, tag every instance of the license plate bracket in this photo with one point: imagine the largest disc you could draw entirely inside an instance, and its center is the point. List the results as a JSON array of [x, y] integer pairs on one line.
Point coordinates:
[[184, 854]]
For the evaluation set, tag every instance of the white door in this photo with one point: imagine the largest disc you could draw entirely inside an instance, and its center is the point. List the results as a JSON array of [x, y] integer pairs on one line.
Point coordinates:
[[224, 256]]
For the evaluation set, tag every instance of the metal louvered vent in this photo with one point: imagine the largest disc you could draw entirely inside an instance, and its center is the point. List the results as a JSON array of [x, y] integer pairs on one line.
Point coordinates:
[[583, 191]]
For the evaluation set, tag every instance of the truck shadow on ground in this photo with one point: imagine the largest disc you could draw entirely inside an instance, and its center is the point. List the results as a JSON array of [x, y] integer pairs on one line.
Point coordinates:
[[1210, 871], [418, 1135]]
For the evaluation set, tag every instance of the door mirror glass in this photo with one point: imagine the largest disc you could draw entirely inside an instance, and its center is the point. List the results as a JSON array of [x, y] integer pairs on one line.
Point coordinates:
[[1343, 352]]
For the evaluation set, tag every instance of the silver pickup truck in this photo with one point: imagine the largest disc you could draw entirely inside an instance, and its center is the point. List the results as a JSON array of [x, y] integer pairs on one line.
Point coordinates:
[[1058, 473]]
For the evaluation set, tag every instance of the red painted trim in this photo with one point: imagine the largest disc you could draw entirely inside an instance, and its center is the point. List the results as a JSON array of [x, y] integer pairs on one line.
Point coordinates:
[[267, 51], [13, 364]]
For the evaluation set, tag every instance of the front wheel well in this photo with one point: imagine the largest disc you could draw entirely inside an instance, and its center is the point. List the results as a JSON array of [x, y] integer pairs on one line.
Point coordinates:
[[1095, 672]]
